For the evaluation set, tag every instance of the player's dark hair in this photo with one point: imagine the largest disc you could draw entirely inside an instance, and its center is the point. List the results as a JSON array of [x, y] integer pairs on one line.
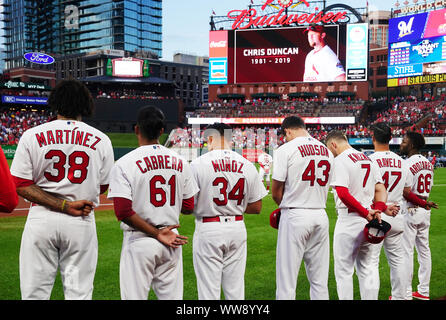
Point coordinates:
[[293, 122], [336, 135], [382, 132], [416, 139], [219, 127], [71, 98], [150, 121]]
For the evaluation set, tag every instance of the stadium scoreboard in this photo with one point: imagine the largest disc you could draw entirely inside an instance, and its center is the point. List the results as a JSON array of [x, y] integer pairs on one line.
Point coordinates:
[[417, 49]]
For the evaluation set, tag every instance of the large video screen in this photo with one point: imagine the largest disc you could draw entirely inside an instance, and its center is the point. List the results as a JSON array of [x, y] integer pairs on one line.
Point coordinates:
[[322, 54], [417, 45]]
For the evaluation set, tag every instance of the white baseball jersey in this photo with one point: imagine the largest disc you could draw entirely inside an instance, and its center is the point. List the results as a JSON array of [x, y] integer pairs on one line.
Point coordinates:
[[322, 65], [66, 158], [421, 175], [305, 165], [394, 174], [355, 171], [235, 183], [265, 161], [156, 180]]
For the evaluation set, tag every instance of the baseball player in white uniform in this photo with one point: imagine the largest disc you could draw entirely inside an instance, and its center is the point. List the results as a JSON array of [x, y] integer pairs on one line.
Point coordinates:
[[301, 179], [417, 212], [265, 163], [61, 167], [394, 175], [230, 186], [321, 63], [150, 186], [357, 183]]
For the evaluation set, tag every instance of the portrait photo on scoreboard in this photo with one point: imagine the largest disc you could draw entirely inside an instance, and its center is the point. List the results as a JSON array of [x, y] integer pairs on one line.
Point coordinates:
[[314, 53]]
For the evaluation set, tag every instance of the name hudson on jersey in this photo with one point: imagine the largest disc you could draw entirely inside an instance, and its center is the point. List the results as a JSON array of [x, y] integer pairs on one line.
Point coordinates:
[[313, 150], [160, 162], [74, 136]]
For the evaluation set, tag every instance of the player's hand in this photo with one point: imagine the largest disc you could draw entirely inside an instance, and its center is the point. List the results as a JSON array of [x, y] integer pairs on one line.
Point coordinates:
[[392, 210], [80, 208], [374, 214], [430, 204], [169, 238]]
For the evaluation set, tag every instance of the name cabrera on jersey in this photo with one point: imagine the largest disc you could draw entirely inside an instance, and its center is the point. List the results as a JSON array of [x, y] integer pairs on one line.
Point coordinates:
[[156, 180], [323, 65], [394, 174], [67, 158], [421, 175], [305, 165], [355, 171], [229, 183]]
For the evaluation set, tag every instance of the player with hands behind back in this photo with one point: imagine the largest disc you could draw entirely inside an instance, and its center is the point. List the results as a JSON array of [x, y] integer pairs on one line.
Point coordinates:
[[61, 167], [150, 186], [358, 185]]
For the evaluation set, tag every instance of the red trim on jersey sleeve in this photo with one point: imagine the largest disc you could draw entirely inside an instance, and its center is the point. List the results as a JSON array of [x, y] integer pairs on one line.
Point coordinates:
[[21, 183], [188, 204], [412, 197], [104, 188], [351, 203], [123, 208], [381, 206]]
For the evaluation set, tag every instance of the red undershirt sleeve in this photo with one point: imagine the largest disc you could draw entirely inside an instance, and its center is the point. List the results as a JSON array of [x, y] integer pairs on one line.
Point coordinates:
[[350, 202], [188, 204], [104, 188], [123, 208], [412, 197], [21, 183]]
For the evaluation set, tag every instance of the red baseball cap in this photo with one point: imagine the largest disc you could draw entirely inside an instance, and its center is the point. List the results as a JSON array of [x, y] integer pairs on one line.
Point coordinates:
[[274, 218], [375, 232], [315, 28]]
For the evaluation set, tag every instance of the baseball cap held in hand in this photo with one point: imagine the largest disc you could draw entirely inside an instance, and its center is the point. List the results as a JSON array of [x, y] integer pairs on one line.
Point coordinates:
[[375, 232]]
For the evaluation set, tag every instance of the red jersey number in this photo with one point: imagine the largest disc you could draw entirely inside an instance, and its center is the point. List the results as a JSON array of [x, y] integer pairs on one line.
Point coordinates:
[[74, 166], [310, 173], [236, 194], [158, 196]]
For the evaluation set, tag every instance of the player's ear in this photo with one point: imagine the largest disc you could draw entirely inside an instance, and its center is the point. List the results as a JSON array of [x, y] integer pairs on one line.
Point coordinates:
[[137, 130], [323, 35]]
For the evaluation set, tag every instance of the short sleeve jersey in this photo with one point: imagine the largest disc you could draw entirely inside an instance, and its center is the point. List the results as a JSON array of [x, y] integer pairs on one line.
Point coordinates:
[[355, 171], [305, 165], [394, 174], [228, 183], [265, 161], [421, 175], [69, 159], [156, 180], [323, 65]]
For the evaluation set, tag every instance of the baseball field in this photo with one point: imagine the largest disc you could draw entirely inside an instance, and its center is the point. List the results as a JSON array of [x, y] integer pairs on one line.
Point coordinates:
[[260, 268]]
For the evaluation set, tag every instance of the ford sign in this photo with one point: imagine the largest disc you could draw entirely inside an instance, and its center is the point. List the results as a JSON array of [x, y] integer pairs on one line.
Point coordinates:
[[40, 58]]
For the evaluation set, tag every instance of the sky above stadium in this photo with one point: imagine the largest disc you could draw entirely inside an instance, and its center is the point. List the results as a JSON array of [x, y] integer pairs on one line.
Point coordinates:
[[186, 23]]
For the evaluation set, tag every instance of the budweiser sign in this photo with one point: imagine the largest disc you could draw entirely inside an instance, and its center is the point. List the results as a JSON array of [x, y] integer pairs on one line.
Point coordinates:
[[244, 19]]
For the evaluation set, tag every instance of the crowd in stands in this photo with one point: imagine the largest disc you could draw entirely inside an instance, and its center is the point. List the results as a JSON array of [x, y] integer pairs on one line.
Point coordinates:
[[14, 123]]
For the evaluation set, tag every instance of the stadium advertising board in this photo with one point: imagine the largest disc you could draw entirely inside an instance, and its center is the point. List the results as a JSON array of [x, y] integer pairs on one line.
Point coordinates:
[[410, 81], [417, 47], [272, 120], [127, 68], [24, 100], [331, 53], [218, 57]]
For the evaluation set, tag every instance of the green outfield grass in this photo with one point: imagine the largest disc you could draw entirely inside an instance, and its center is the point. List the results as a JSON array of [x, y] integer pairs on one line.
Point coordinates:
[[260, 268]]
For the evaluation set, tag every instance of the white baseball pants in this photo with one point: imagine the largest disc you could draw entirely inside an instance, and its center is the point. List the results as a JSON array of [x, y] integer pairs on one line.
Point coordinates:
[[147, 263], [352, 252], [53, 240], [303, 235], [395, 257], [416, 234], [219, 257]]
